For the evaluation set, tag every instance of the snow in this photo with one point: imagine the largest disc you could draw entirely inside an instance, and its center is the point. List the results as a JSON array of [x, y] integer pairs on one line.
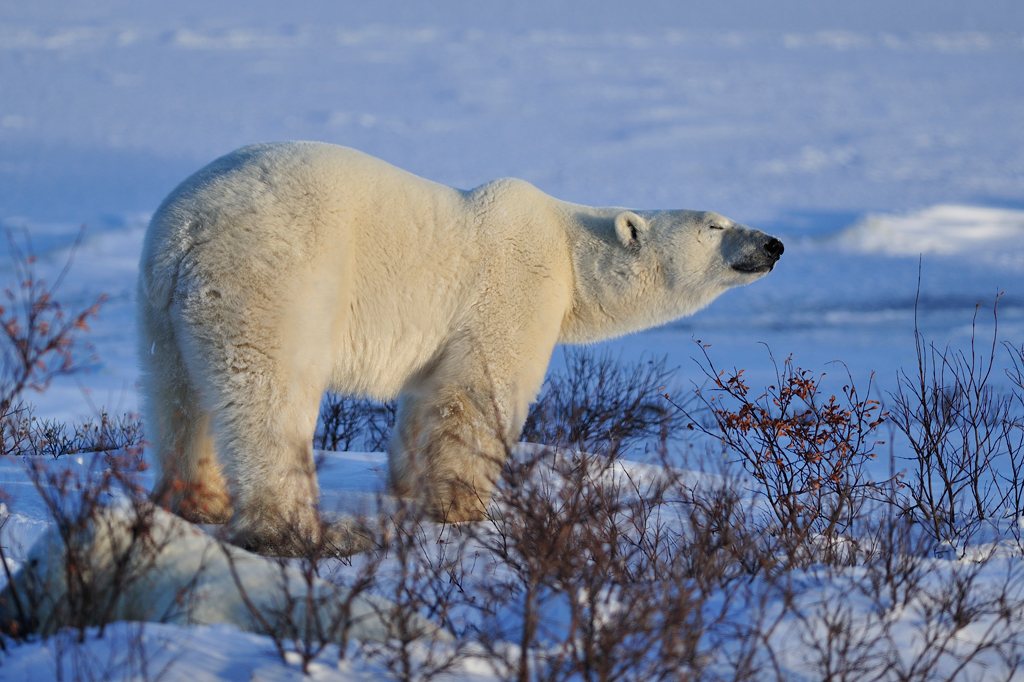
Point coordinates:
[[875, 138], [943, 229], [198, 654]]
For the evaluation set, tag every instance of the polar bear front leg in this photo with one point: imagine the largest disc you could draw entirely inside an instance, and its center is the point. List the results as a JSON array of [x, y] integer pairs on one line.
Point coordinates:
[[448, 450], [456, 425]]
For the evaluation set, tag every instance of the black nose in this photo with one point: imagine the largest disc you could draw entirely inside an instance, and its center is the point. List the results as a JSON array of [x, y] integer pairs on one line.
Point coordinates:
[[774, 248]]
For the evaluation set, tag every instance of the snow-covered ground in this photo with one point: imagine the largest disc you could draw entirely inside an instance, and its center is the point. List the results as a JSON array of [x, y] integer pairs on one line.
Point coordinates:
[[801, 121], [875, 138]]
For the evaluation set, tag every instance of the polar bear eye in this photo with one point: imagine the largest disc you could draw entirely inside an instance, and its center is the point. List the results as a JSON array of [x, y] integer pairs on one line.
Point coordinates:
[[716, 227]]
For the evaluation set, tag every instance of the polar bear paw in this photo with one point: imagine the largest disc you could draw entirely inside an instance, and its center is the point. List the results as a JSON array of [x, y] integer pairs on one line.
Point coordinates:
[[331, 538], [194, 502]]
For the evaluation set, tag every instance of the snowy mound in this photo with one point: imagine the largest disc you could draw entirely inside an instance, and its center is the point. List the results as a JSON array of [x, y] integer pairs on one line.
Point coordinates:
[[943, 229], [143, 564]]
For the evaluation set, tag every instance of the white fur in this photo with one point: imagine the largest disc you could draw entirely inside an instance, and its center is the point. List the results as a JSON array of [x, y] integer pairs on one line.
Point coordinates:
[[282, 270]]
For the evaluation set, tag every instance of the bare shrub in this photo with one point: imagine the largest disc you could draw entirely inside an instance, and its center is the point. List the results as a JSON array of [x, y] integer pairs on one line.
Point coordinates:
[[38, 342], [805, 453], [424, 578], [400, 597], [590, 571], [30, 436], [348, 423], [784, 557], [126, 656], [866, 604], [75, 503], [1012, 474], [927, 620], [601, 405], [37, 337], [103, 541], [967, 441], [313, 604], [84, 581]]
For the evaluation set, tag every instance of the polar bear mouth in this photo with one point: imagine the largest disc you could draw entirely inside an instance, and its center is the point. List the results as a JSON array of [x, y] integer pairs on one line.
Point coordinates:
[[754, 268]]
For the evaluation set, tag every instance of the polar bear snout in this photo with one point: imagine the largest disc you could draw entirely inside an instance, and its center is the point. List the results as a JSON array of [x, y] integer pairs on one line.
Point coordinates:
[[754, 252]]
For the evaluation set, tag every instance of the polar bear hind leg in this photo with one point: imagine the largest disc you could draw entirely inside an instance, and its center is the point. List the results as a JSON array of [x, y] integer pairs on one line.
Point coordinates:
[[190, 481], [264, 419]]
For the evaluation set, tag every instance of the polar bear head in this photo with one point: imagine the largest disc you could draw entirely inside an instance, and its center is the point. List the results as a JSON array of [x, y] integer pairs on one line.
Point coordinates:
[[697, 249], [654, 267]]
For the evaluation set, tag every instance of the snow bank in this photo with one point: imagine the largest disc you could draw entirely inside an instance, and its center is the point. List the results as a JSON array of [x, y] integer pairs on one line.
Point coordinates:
[[942, 229], [181, 575]]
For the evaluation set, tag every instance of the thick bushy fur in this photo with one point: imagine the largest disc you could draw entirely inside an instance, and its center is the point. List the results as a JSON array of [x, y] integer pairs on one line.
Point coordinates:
[[282, 270]]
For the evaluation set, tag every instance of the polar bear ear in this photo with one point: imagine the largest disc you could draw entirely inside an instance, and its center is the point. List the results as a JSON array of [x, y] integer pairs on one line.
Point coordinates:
[[630, 227]]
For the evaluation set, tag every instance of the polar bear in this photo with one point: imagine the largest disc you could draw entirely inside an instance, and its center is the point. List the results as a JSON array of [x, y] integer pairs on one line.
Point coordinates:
[[285, 269]]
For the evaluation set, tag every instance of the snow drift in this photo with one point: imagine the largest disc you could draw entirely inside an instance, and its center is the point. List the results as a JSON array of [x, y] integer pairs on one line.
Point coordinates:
[[942, 230], [178, 575]]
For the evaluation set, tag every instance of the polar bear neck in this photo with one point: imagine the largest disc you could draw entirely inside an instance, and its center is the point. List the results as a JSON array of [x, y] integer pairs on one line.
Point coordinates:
[[617, 291]]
